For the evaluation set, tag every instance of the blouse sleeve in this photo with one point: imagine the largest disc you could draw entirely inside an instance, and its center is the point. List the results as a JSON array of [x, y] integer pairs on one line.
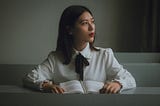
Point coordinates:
[[42, 72], [116, 72]]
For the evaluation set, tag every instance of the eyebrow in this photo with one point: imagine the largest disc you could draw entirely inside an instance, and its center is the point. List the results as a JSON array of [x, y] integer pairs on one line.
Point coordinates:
[[86, 19]]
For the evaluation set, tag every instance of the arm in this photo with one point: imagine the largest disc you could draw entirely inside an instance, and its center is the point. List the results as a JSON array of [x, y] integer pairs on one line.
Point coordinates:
[[40, 78], [41, 73], [118, 78]]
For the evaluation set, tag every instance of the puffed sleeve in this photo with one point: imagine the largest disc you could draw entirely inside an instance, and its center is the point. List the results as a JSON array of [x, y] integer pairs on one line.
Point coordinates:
[[116, 72], [42, 72]]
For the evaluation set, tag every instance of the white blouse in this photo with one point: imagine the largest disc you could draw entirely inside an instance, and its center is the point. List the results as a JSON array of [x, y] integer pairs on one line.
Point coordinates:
[[103, 67]]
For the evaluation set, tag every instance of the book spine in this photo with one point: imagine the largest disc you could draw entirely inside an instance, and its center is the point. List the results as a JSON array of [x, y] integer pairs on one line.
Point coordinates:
[[83, 86]]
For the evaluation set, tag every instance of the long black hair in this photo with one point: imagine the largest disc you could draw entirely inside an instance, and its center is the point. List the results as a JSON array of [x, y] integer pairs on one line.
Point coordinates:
[[65, 41]]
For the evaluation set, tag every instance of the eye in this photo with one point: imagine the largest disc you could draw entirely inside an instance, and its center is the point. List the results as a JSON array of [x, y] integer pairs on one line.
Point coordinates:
[[84, 23]]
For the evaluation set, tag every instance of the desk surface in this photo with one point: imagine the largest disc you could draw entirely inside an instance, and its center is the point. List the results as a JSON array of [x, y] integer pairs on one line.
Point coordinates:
[[19, 96]]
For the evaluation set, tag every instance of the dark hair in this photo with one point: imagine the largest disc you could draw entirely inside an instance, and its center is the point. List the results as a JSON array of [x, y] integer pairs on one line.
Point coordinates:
[[65, 41]]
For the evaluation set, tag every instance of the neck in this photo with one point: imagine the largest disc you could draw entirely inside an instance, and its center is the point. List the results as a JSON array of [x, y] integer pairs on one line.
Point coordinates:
[[80, 46]]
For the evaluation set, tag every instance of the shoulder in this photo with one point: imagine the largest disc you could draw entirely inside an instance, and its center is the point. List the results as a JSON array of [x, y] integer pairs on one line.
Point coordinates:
[[105, 50], [52, 54], [106, 54], [55, 55]]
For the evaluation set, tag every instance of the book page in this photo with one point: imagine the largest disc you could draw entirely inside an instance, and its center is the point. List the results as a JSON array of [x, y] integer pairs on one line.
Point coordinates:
[[73, 86], [93, 86]]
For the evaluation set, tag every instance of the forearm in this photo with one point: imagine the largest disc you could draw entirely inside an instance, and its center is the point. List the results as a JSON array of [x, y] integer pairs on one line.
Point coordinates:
[[30, 84]]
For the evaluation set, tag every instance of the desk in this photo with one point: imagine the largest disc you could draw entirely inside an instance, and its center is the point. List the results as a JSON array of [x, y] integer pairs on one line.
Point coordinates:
[[18, 96]]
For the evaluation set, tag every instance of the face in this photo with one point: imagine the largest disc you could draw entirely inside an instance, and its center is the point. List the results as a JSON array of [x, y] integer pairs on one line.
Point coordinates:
[[84, 29]]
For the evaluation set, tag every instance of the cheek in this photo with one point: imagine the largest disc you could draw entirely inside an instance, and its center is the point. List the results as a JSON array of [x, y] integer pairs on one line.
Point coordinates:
[[80, 32]]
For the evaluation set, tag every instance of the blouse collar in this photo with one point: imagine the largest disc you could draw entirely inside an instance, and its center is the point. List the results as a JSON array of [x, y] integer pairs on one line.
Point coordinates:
[[86, 52]]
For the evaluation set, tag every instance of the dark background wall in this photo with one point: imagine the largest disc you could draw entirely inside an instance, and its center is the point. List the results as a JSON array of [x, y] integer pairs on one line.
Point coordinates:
[[28, 28]]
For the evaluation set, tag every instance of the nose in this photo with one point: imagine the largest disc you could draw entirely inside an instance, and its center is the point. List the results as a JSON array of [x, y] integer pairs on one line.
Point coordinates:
[[91, 26]]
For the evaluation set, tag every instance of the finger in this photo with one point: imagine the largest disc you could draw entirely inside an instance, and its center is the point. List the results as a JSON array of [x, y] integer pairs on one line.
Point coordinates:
[[108, 89], [63, 89], [113, 90], [116, 90], [55, 90], [106, 85], [60, 90]]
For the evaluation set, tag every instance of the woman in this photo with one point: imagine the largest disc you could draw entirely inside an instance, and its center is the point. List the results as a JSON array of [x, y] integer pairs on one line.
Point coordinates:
[[76, 58]]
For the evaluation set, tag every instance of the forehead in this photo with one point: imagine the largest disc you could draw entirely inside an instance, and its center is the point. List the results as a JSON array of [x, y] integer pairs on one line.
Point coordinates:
[[85, 16]]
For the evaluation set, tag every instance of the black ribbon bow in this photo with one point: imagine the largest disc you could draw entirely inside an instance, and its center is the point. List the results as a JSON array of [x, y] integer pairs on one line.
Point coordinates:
[[80, 62]]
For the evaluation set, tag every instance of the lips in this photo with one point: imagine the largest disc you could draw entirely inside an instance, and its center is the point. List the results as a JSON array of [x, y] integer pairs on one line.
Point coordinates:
[[91, 34]]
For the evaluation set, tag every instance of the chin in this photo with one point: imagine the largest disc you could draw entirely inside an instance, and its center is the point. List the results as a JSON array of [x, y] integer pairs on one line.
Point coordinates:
[[91, 40]]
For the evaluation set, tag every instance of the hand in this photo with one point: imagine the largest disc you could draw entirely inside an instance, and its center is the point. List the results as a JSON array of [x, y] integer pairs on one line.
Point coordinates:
[[111, 87], [53, 88]]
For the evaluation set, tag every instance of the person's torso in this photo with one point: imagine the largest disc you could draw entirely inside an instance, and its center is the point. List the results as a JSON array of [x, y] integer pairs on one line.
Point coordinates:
[[95, 71]]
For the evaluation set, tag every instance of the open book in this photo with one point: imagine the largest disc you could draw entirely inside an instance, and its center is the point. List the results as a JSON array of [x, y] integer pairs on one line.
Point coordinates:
[[84, 87]]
